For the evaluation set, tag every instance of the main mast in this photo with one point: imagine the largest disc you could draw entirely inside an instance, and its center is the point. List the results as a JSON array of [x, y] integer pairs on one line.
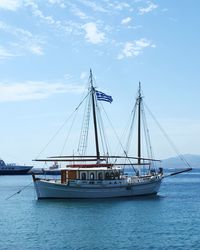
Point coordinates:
[[139, 100], [94, 116]]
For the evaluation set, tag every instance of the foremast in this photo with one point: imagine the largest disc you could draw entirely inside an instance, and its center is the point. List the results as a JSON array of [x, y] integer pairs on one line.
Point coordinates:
[[139, 101]]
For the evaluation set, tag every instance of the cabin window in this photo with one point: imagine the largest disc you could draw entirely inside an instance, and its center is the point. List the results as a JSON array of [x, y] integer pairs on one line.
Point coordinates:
[[100, 176], [112, 175], [83, 176], [92, 176], [107, 176]]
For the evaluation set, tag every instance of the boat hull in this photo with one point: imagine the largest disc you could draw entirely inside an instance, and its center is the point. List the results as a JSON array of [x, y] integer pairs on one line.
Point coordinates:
[[47, 189], [16, 170]]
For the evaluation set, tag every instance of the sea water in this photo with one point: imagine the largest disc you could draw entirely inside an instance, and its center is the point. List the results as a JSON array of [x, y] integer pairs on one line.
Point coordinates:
[[170, 220]]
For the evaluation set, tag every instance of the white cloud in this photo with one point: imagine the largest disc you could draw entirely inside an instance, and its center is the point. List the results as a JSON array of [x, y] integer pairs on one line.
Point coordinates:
[[68, 77], [60, 3], [64, 27], [34, 90], [151, 6], [93, 35], [38, 13], [79, 13], [5, 53], [22, 41], [36, 49], [126, 20], [94, 6], [121, 6], [135, 48], [84, 75], [90, 25], [12, 5]]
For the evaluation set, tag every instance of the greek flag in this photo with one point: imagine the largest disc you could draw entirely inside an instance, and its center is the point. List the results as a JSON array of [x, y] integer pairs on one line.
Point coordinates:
[[103, 97]]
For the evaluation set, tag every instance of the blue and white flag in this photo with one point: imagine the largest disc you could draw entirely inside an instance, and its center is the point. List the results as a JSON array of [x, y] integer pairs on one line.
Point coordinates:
[[103, 97]]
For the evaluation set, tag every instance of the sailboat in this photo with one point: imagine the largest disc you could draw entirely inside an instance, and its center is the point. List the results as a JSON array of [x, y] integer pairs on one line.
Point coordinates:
[[102, 175]]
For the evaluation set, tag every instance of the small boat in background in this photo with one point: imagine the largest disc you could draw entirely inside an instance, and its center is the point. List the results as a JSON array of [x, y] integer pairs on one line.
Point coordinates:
[[52, 170], [13, 169]]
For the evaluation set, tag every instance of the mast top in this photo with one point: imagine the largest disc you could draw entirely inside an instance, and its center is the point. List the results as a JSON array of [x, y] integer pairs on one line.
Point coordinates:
[[139, 91], [91, 78]]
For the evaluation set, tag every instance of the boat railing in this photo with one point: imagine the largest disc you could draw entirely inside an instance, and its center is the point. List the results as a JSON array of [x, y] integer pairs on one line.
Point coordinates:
[[95, 182]]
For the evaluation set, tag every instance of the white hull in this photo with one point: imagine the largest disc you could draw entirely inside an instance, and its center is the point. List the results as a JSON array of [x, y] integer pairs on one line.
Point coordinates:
[[50, 189]]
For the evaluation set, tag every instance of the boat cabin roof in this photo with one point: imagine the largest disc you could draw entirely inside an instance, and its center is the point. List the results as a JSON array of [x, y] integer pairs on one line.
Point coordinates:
[[90, 169]]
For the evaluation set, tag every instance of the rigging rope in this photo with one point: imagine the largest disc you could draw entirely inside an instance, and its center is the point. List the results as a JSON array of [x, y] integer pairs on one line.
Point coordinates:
[[19, 191], [83, 140], [125, 153], [105, 143], [147, 135], [67, 137], [168, 139], [60, 128], [130, 135]]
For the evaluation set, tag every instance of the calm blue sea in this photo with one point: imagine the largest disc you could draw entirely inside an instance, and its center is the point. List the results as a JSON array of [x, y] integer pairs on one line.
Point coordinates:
[[170, 220]]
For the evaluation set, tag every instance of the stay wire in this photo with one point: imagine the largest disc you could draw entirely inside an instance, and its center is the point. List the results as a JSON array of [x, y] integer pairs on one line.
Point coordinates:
[[167, 138], [147, 135], [101, 135], [19, 191], [68, 134], [83, 139], [60, 128], [130, 135], [125, 153]]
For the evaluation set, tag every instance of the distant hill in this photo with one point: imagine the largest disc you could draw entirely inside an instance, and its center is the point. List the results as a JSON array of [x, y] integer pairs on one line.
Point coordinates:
[[176, 162]]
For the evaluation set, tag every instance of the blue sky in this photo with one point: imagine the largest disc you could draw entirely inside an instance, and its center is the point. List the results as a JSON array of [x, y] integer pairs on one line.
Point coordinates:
[[47, 48]]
